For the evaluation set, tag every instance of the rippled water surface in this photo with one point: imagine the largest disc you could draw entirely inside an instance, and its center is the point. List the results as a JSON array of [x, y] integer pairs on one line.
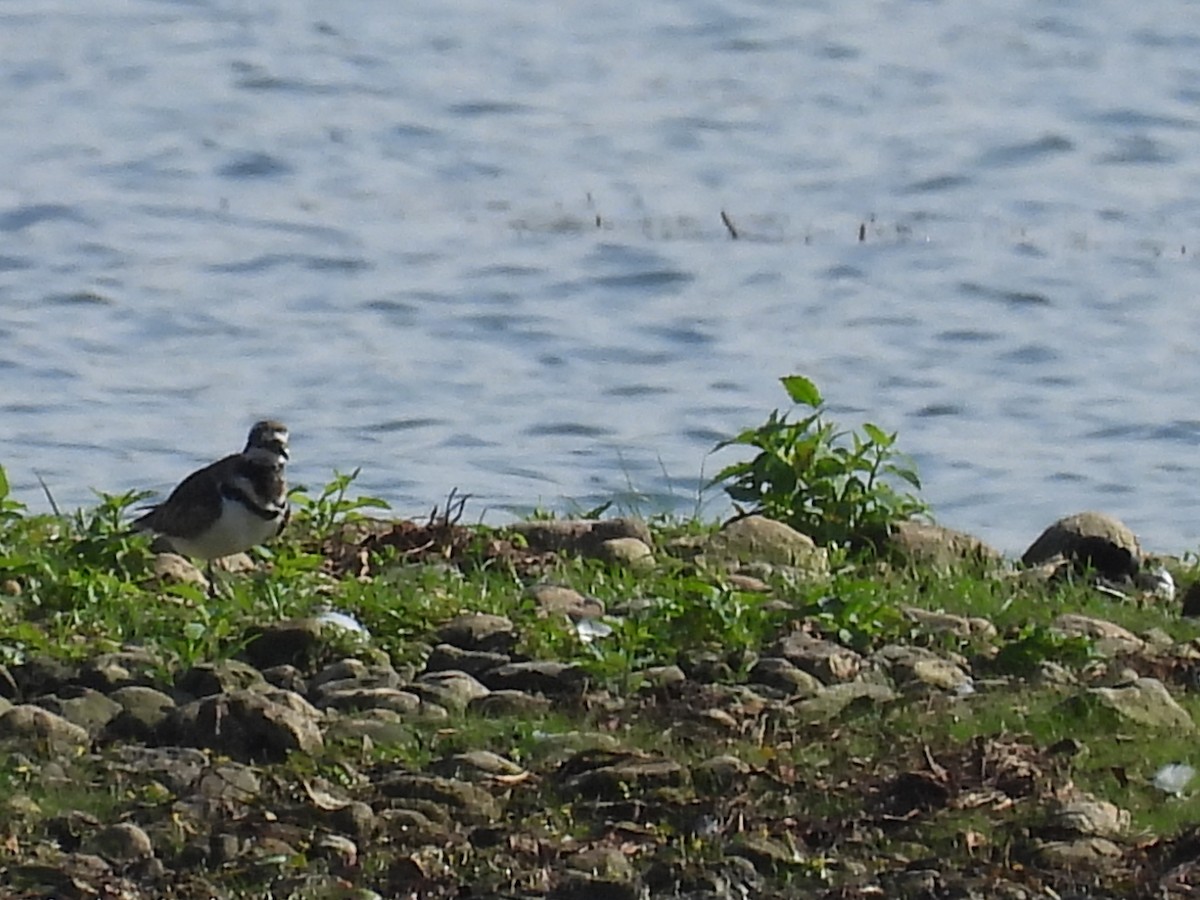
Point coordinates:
[[479, 245]]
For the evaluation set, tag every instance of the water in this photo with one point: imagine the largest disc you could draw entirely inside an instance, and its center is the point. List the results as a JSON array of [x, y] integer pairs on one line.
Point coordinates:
[[479, 245]]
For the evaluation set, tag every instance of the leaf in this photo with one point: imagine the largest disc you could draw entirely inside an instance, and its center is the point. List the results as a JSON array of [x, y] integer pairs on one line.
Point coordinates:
[[802, 391], [878, 436]]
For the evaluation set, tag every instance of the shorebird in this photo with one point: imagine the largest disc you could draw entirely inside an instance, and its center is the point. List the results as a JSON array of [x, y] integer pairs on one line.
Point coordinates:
[[228, 506]]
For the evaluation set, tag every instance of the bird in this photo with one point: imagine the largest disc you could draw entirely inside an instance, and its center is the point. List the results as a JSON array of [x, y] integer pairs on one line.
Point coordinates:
[[228, 506]]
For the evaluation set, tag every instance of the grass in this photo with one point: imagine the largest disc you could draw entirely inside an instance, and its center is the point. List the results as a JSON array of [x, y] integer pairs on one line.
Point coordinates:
[[77, 585]]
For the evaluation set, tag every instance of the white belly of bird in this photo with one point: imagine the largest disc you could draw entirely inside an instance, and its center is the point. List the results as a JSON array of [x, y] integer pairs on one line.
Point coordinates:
[[237, 530]]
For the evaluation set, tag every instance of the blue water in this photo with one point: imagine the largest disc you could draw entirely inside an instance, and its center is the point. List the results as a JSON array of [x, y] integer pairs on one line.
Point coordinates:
[[479, 245]]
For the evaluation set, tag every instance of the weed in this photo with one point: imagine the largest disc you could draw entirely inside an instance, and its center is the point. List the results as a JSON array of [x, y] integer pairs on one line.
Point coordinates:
[[807, 474]]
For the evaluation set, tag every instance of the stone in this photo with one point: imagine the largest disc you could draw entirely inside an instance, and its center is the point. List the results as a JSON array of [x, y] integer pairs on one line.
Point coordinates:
[[109, 671], [453, 690], [827, 661], [579, 535], [473, 662], [339, 850], [1147, 702], [662, 676], [295, 642], [206, 679], [122, 842], [250, 725], [465, 801], [143, 711], [1088, 540], [948, 623], [355, 699], [1110, 639], [928, 544], [835, 698], [560, 599], [784, 675], [907, 665], [85, 707], [1089, 853], [628, 552], [605, 776], [171, 568], [477, 765], [500, 703], [479, 631], [766, 853], [536, 677], [759, 539], [35, 726], [720, 773], [1086, 816]]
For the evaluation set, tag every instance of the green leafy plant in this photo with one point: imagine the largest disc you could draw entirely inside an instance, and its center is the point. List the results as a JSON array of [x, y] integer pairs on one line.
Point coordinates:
[[836, 486], [322, 514]]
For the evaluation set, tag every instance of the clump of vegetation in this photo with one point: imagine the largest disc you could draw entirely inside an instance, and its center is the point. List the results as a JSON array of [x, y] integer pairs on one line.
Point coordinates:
[[836, 486]]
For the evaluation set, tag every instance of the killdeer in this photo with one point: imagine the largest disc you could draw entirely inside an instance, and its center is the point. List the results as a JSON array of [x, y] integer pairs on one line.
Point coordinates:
[[228, 506]]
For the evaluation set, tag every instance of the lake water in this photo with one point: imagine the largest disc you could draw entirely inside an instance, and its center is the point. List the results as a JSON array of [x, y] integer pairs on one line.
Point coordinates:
[[479, 245]]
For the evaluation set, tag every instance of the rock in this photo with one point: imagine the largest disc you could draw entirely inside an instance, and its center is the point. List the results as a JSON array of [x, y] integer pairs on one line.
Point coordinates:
[[341, 851], [1090, 853], [502, 702], [228, 784], [759, 539], [614, 776], [122, 842], [479, 631], [466, 802], [206, 679], [1088, 540], [629, 552], [356, 819], [560, 599], [1086, 816], [295, 642], [477, 765], [250, 725], [827, 661], [784, 675], [171, 568], [916, 664], [580, 535], [36, 726], [1146, 702], [928, 544], [473, 662], [453, 690], [662, 676], [355, 699], [109, 671], [536, 677], [85, 707], [143, 710], [1110, 639], [598, 873], [834, 699], [719, 774], [948, 623]]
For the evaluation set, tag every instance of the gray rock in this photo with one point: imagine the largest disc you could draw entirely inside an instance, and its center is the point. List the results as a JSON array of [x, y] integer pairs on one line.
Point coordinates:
[[473, 662], [1089, 817], [908, 665], [720, 773], [1146, 702], [295, 642], [933, 545], [250, 725], [338, 850], [109, 671], [87, 708], [663, 676], [560, 599], [765, 853], [501, 703], [355, 699], [479, 631], [1085, 853], [228, 784], [607, 776], [834, 699], [629, 552], [1088, 540], [286, 677], [356, 819], [453, 690], [784, 675], [36, 726], [143, 711], [828, 661], [122, 842], [598, 873], [580, 535], [171, 568], [206, 679], [948, 623], [477, 765], [1110, 639], [466, 802], [759, 539], [536, 677]]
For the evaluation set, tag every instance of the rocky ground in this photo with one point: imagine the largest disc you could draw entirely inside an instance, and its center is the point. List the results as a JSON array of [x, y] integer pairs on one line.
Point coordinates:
[[805, 729]]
